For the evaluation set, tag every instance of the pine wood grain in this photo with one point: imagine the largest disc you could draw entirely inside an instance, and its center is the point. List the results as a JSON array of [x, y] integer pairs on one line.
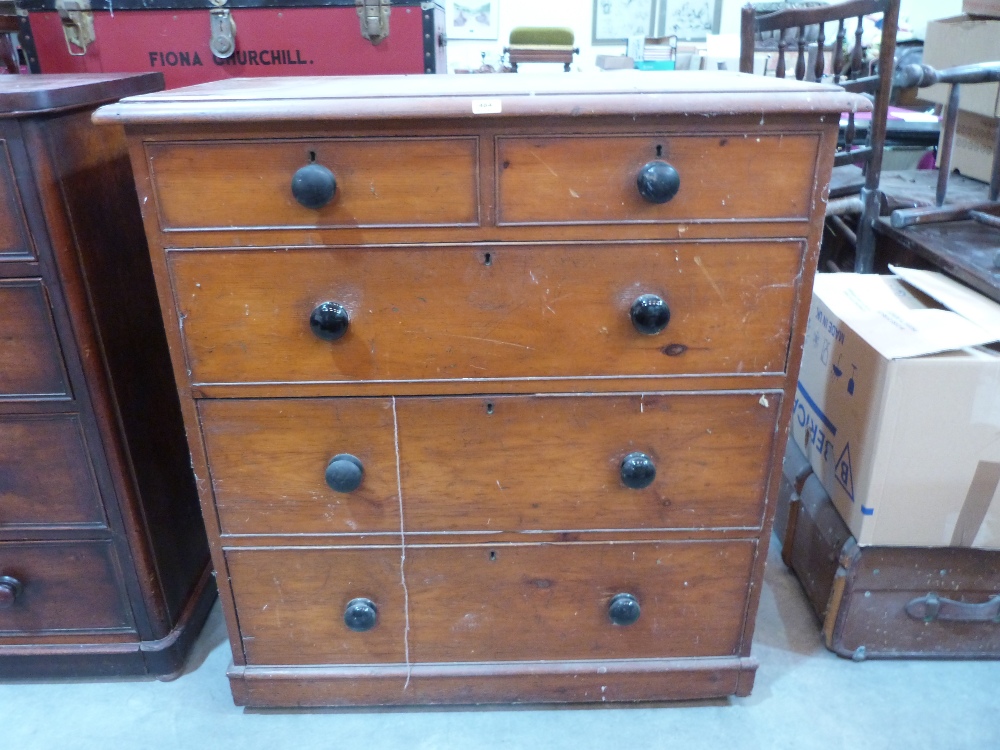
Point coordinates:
[[450, 313]]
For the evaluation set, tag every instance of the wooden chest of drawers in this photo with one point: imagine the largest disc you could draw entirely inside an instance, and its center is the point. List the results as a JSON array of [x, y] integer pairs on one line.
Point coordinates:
[[486, 378], [104, 566]]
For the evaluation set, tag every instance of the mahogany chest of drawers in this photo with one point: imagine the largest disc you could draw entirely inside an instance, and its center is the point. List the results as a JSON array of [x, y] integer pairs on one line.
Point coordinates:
[[486, 378], [104, 564]]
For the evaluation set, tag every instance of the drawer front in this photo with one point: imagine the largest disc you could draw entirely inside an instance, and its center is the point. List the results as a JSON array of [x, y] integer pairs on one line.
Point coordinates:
[[537, 602], [492, 603], [509, 463], [588, 180], [14, 238], [291, 604], [505, 312], [45, 473], [380, 182], [269, 460], [524, 463], [61, 586], [31, 364]]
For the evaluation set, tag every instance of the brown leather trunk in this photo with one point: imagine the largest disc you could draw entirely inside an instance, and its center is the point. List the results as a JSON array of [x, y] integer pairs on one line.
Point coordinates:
[[888, 602]]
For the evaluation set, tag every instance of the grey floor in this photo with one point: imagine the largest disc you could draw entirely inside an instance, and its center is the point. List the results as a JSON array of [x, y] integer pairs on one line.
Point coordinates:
[[804, 698]]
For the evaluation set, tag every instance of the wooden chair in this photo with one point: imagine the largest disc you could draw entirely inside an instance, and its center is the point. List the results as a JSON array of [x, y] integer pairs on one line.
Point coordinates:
[[958, 233], [850, 69]]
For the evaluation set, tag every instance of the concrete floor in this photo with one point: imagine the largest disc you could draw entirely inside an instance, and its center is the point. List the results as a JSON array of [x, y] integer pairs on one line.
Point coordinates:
[[805, 697]]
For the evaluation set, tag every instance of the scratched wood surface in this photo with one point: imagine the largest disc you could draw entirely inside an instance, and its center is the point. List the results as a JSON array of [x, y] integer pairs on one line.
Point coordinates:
[[283, 488], [490, 463], [292, 604], [499, 602], [592, 179], [448, 313], [380, 182], [481, 355]]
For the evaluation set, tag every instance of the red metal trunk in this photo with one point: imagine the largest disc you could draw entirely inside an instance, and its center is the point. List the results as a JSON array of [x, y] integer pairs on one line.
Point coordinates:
[[272, 41]]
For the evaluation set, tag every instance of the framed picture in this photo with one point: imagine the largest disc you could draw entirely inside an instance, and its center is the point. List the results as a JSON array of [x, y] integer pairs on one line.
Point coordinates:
[[472, 19], [691, 20], [617, 20]]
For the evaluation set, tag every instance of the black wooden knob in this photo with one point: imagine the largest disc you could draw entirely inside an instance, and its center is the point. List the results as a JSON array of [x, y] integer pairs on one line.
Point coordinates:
[[10, 589], [329, 320], [624, 609], [344, 473], [313, 185], [650, 314], [658, 182], [637, 470], [361, 615]]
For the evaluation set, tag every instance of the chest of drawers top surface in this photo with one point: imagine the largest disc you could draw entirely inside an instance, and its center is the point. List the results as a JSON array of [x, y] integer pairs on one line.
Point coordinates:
[[624, 93], [491, 419]]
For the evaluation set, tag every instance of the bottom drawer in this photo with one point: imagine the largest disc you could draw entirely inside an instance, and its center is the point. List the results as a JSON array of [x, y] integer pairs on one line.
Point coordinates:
[[59, 586], [479, 603]]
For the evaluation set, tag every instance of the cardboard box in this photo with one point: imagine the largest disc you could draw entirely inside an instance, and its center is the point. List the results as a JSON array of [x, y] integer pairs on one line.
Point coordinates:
[[981, 8], [962, 41], [975, 139], [898, 407]]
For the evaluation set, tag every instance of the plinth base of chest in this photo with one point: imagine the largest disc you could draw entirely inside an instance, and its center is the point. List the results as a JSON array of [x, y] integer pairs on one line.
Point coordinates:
[[631, 680]]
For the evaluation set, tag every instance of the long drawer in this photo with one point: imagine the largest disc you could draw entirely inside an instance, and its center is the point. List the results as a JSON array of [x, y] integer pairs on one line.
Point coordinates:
[[505, 463], [60, 586], [499, 312], [480, 603]]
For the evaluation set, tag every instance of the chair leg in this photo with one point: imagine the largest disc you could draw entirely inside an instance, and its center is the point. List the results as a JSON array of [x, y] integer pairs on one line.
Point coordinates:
[[864, 253]]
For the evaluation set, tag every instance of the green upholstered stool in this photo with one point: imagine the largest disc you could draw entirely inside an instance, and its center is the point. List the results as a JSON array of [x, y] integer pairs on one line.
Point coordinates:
[[541, 44]]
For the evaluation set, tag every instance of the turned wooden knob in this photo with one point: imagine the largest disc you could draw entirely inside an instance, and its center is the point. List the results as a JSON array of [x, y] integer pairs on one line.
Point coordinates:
[[624, 609], [658, 182], [329, 321], [10, 589], [313, 185], [344, 473], [637, 471], [650, 314], [361, 615]]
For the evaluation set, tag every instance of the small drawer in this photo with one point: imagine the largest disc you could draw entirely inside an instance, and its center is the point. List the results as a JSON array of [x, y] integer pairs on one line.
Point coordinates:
[[14, 239], [376, 182], [31, 363], [269, 462], [294, 605], [59, 586], [46, 477], [574, 601], [391, 314], [594, 180]]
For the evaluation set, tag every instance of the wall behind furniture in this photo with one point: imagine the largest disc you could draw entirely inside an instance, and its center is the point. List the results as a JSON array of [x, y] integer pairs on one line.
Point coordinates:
[[578, 15]]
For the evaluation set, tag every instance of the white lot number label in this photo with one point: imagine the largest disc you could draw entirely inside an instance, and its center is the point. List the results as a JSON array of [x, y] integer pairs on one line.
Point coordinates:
[[486, 106]]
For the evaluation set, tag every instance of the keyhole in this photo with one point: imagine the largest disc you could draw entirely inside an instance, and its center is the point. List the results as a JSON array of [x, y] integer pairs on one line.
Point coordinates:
[[488, 259], [312, 156], [659, 150], [489, 407]]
